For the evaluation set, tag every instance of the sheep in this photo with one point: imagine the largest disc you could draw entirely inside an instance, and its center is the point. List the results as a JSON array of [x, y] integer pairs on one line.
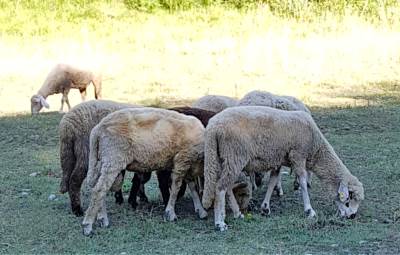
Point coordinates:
[[262, 98], [140, 179], [214, 103], [143, 140], [74, 131], [60, 80], [264, 139], [242, 190]]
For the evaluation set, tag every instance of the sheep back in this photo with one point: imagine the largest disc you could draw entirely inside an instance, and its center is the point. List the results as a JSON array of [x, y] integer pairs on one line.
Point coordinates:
[[214, 103]]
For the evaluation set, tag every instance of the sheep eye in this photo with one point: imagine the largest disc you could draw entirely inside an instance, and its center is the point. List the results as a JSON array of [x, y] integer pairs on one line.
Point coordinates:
[[347, 204]]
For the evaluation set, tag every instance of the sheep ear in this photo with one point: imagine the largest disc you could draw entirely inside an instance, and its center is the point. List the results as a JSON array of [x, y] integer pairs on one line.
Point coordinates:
[[343, 192], [36, 99], [44, 102]]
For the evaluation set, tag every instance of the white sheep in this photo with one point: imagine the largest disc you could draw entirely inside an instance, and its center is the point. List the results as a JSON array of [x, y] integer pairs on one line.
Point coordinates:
[[263, 139], [61, 79], [288, 103], [214, 103], [144, 140], [74, 131], [262, 98]]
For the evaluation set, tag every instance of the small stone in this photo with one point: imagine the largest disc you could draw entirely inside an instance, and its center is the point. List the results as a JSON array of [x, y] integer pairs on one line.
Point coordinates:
[[52, 197], [26, 190], [24, 194], [123, 253], [33, 174], [334, 245], [362, 242]]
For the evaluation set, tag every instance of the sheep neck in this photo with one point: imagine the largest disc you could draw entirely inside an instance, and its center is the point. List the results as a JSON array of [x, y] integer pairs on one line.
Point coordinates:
[[328, 166]]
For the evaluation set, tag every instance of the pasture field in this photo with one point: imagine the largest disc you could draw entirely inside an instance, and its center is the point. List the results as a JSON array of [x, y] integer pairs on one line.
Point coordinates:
[[366, 138], [342, 60]]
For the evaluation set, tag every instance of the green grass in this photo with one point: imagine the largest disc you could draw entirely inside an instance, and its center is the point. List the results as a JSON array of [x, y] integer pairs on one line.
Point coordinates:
[[366, 138], [169, 52]]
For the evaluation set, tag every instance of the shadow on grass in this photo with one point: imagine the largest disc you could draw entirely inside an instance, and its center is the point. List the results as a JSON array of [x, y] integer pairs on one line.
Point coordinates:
[[366, 139]]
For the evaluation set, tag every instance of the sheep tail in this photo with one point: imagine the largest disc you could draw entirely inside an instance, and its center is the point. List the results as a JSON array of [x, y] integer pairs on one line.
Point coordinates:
[[212, 168], [94, 162], [67, 156]]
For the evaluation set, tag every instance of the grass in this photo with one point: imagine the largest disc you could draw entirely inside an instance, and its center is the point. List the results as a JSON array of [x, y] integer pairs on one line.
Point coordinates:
[[327, 57], [340, 57], [366, 138]]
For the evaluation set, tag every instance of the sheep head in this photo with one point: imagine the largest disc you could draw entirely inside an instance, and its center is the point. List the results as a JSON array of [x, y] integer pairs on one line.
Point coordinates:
[[242, 189], [37, 103], [349, 197]]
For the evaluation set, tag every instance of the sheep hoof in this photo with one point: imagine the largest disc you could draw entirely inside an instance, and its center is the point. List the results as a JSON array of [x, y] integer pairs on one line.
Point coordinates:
[[202, 214], [87, 229], [265, 210], [104, 222], [239, 216], [77, 211], [119, 197], [63, 188], [168, 216], [144, 199], [221, 227], [310, 213], [133, 204]]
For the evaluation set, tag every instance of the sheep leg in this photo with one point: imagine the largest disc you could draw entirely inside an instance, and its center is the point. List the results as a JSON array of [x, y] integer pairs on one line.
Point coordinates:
[[62, 104], [83, 94], [119, 197], [163, 178], [102, 215], [296, 183], [104, 183], [97, 87], [169, 214], [252, 175], [74, 188], [234, 205], [198, 207], [278, 188], [273, 179], [64, 99], [219, 211], [309, 211], [144, 178], [67, 101], [134, 191]]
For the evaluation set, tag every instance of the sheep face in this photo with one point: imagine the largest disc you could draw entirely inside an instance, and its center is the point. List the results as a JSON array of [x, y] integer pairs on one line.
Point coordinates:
[[348, 200], [242, 189], [37, 103]]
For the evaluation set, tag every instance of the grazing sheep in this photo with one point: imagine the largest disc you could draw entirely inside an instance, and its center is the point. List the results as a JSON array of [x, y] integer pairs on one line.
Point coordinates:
[[261, 98], [61, 79], [164, 179], [262, 139], [143, 140], [288, 103], [215, 103], [74, 132]]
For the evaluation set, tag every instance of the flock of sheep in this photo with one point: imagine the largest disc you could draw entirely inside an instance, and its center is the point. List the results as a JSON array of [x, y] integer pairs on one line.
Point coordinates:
[[219, 147]]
